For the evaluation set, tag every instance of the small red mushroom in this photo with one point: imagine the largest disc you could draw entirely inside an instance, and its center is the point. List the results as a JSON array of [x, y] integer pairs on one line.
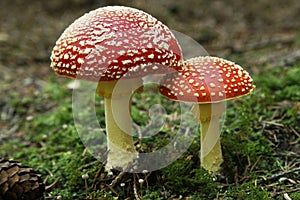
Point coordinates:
[[208, 82], [112, 44]]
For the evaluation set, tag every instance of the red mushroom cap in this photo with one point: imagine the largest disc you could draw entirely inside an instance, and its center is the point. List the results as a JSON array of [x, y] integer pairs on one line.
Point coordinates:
[[207, 80], [108, 42]]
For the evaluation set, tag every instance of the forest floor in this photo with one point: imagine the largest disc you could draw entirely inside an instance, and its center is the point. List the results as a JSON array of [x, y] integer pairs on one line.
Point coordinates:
[[260, 136]]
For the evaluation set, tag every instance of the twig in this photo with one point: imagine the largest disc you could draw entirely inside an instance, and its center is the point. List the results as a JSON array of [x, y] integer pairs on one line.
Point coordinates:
[[254, 165], [136, 195], [97, 175], [286, 196], [50, 173], [88, 165], [112, 189], [276, 176], [51, 186], [146, 179], [294, 131], [273, 123], [117, 178], [274, 194], [294, 164]]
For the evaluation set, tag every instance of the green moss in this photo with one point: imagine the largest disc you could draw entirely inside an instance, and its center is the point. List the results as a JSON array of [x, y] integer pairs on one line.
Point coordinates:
[[183, 176], [55, 91], [295, 195], [153, 195], [247, 191], [281, 83]]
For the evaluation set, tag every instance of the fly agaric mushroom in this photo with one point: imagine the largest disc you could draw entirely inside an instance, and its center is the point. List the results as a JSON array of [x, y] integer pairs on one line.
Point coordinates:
[[111, 44], [207, 82]]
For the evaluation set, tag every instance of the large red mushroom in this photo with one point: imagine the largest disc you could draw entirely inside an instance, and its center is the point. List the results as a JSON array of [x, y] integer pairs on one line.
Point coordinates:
[[208, 82], [116, 44]]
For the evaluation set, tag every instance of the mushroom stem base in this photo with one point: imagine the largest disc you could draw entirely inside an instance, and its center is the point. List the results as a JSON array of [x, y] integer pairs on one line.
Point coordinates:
[[211, 153]]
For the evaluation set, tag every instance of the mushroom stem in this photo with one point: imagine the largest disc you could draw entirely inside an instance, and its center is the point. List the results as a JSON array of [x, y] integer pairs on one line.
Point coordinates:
[[118, 121], [120, 142], [211, 153]]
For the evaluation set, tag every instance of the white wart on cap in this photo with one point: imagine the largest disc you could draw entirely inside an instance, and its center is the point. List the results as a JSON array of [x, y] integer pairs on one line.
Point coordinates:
[[109, 42], [207, 80]]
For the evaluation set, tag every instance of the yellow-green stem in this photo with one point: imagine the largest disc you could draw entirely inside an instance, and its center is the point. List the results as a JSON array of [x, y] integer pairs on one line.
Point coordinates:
[[117, 101], [118, 129], [211, 153]]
